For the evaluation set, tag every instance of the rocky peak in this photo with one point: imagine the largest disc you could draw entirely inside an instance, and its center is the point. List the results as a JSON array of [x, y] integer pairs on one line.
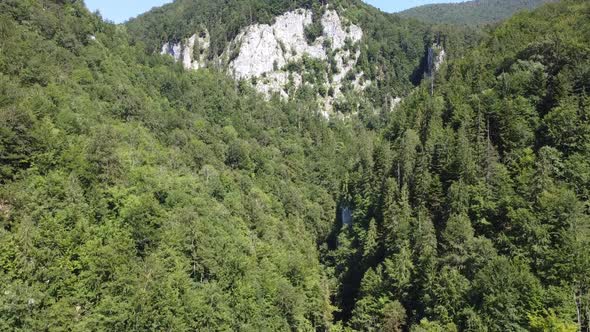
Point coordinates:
[[265, 48], [262, 53]]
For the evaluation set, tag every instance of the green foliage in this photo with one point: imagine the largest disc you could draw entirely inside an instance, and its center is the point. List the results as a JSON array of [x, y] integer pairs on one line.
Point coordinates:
[[139, 196], [482, 227], [427, 326], [551, 323], [476, 12], [315, 29]]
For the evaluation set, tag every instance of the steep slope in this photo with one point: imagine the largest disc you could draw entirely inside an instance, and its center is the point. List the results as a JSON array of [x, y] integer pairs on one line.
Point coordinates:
[[471, 212], [476, 12], [137, 196], [274, 57], [332, 50]]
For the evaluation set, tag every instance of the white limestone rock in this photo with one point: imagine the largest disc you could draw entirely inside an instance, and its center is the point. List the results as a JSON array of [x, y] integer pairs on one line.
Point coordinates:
[[261, 52], [394, 103], [336, 33], [266, 49], [278, 81], [174, 50], [185, 51], [440, 59]]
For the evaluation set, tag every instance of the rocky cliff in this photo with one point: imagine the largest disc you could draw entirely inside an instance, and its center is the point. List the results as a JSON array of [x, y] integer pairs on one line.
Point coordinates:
[[192, 51], [272, 57]]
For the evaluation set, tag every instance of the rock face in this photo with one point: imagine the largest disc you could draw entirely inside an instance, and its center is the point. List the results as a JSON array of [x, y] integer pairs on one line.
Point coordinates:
[[436, 57], [440, 58], [265, 50], [192, 52], [262, 53], [346, 215], [333, 30]]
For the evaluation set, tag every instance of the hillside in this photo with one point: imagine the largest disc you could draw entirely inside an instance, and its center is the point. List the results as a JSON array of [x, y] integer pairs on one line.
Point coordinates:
[[471, 213], [476, 12], [347, 53], [137, 194]]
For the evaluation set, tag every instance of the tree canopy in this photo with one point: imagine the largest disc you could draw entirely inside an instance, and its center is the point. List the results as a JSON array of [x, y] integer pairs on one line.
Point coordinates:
[[472, 13], [138, 196]]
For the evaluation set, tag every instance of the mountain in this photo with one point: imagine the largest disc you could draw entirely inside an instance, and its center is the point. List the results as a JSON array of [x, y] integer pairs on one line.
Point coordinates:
[[339, 51], [476, 12], [141, 194], [137, 196], [471, 212]]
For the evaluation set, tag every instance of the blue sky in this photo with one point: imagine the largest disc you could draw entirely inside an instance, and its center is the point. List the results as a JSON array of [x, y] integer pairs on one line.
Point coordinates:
[[121, 10]]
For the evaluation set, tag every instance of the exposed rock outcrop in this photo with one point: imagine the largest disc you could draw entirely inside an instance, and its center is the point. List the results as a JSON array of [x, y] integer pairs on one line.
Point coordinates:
[[267, 49], [262, 53], [394, 103], [192, 52], [440, 58], [436, 57]]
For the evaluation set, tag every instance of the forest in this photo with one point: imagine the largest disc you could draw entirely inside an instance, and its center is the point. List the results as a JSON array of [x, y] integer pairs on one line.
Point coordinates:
[[473, 12], [138, 196]]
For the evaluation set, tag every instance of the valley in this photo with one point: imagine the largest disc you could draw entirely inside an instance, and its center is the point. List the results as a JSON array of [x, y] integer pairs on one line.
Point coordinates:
[[253, 165]]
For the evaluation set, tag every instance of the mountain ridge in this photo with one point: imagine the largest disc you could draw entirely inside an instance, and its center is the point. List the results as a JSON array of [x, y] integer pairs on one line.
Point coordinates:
[[382, 61], [475, 12]]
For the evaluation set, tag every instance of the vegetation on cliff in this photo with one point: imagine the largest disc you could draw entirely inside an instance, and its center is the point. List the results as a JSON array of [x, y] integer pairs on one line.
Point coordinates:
[[138, 196]]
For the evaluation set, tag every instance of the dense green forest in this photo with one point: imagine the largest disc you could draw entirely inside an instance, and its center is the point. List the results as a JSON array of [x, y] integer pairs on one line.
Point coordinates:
[[472, 212], [138, 196], [475, 12]]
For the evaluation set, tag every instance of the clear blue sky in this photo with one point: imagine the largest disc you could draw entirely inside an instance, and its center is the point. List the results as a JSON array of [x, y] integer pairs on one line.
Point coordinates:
[[121, 10]]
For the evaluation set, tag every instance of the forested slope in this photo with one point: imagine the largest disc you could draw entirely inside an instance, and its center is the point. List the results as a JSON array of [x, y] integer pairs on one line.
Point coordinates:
[[476, 12], [138, 196], [472, 211], [392, 52]]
